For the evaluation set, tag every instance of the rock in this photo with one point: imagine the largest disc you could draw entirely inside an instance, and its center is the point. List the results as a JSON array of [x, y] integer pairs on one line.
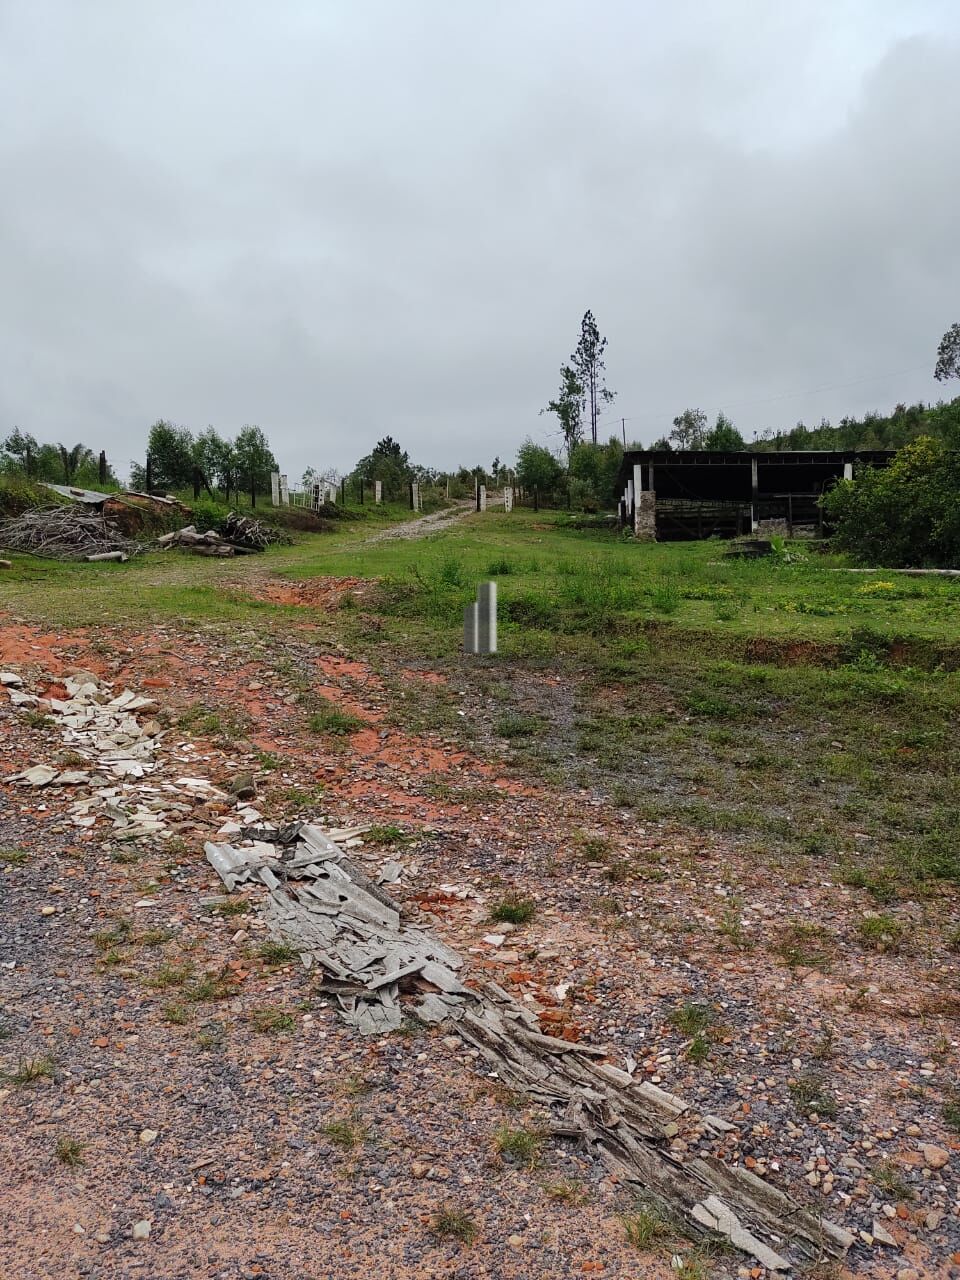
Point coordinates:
[[934, 1157], [881, 1233], [147, 1136], [243, 786], [141, 1229], [908, 1273], [419, 1169], [48, 911], [515, 1241], [913, 1131], [933, 1219], [79, 1229]]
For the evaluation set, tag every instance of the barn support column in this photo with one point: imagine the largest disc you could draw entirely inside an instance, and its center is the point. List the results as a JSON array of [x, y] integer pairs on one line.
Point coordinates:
[[848, 471], [754, 495], [645, 507]]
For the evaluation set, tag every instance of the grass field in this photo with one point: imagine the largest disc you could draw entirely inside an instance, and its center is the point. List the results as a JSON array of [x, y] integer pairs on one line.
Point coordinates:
[[788, 703]]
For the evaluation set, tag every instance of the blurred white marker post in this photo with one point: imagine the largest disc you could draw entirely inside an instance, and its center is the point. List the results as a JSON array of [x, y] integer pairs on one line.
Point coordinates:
[[480, 621]]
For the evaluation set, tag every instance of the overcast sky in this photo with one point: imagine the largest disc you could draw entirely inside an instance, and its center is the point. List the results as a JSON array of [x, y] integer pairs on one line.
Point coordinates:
[[346, 219]]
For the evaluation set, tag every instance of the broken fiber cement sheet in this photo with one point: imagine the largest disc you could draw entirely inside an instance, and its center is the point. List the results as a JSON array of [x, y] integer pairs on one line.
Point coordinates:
[[379, 967]]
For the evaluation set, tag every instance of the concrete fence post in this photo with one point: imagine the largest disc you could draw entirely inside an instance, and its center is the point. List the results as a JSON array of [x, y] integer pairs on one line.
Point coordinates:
[[378, 490], [275, 488], [487, 617], [471, 627], [284, 491]]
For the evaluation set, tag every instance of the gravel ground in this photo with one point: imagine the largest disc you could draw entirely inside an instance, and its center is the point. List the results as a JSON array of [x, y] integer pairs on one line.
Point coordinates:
[[311, 1152]]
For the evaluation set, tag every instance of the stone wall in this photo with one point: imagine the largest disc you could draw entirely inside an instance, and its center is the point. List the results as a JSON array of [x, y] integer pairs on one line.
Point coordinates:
[[645, 516]]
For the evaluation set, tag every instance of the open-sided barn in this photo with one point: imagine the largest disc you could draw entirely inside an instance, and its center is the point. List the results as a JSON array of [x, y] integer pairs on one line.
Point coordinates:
[[703, 493]]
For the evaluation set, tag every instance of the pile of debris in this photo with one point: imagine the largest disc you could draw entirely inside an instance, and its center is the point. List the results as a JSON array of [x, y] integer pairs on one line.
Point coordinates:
[[241, 536], [101, 731], [66, 533], [111, 753], [245, 531], [209, 543], [337, 917]]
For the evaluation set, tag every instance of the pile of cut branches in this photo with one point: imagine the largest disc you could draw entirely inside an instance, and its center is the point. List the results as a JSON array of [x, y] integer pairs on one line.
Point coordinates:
[[65, 533], [245, 531]]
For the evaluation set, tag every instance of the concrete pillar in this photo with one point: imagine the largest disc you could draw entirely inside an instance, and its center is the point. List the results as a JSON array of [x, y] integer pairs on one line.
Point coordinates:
[[471, 625], [651, 482], [508, 498], [487, 617], [848, 471], [284, 491], [754, 495], [316, 496], [645, 516], [415, 504], [378, 490], [482, 500], [275, 488]]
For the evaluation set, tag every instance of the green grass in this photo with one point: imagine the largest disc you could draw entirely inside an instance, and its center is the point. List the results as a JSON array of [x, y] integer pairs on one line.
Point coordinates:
[[513, 910], [691, 1019], [169, 975], [881, 932], [272, 1021], [454, 1224], [644, 1226], [889, 1179], [785, 704], [514, 725], [14, 857], [809, 945], [277, 952], [345, 1134], [330, 719], [70, 1152], [520, 1146], [812, 1096], [30, 1070]]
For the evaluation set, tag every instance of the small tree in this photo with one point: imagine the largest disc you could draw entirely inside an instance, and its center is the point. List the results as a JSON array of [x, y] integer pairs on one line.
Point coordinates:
[[255, 460], [388, 463], [538, 469], [588, 369], [568, 407], [595, 468], [171, 456], [948, 355], [689, 429], [71, 460], [723, 435], [216, 458]]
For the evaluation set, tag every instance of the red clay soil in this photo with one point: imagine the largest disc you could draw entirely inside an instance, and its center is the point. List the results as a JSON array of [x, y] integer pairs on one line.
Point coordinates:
[[307, 1151]]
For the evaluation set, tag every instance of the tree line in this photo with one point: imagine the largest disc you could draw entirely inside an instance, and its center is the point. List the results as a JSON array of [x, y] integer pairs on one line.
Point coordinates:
[[76, 465], [175, 453]]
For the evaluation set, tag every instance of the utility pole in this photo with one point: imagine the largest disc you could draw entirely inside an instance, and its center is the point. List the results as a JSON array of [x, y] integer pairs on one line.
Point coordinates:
[[623, 428]]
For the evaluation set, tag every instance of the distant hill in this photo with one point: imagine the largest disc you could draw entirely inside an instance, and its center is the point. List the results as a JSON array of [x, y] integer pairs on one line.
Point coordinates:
[[873, 431]]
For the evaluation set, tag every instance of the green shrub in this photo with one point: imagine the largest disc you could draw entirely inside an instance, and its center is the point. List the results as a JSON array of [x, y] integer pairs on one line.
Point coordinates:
[[905, 514]]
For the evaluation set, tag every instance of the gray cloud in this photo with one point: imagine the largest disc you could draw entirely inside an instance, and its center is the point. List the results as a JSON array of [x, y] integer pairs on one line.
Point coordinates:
[[345, 220]]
